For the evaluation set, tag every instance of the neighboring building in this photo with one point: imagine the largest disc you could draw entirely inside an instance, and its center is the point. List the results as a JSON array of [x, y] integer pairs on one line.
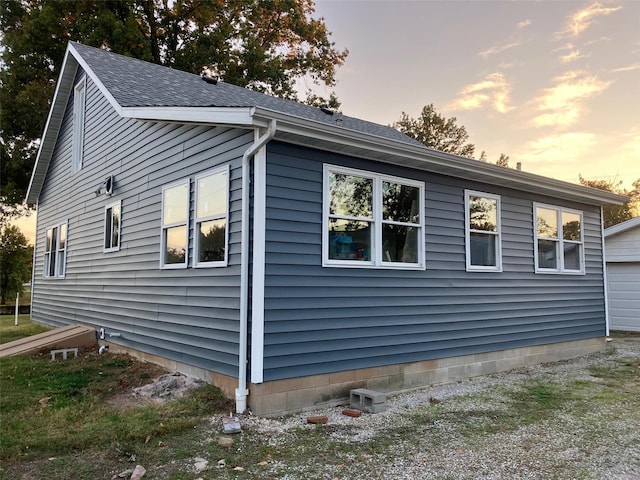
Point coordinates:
[[622, 251], [294, 253]]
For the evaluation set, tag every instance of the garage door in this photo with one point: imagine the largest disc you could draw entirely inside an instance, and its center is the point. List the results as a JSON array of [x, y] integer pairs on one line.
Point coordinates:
[[624, 296]]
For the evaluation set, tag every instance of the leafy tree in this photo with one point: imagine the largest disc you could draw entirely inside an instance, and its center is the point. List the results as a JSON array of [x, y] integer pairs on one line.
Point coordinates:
[[614, 214], [436, 131], [15, 262], [263, 45], [503, 161]]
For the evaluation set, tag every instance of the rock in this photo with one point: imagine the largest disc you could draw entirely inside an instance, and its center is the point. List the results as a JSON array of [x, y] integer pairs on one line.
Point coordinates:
[[239, 469], [231, 425], [225, 441], [124, 474], [200, 464], [318, 419], [222, 463], [138, 472]]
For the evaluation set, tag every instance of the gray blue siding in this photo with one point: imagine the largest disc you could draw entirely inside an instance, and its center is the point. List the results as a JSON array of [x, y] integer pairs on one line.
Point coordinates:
[[189, 315], [321, 320]]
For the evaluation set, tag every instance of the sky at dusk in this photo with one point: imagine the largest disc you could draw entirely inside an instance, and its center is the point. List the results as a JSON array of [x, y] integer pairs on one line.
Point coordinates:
[[553, 84]]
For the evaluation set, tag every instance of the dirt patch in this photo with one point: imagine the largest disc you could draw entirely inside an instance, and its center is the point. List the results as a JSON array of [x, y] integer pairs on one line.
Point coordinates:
[[162, 389]]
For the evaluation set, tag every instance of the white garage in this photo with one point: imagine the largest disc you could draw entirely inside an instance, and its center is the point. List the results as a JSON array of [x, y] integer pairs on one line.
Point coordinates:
[[622, 250]]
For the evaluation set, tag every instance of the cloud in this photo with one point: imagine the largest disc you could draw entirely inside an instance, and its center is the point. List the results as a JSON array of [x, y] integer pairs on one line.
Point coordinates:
[[524, 23], [628, 68], [582, 19], [563, 104], [492, 90], [572, 56], [555, 149], [498, 49]]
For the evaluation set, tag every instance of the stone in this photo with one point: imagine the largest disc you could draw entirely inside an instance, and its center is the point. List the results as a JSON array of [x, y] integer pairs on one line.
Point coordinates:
[[225, 441], [138, 472], [352, 413]]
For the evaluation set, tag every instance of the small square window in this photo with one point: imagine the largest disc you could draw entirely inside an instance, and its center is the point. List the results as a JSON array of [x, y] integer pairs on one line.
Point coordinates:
[[558, 239]]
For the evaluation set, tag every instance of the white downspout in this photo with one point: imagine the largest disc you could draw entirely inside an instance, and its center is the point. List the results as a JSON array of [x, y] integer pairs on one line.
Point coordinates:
[[604, 274], [242, 392]]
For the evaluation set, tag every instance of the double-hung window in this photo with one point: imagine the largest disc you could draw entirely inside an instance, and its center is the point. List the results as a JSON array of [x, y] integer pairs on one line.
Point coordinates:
[[482, 232], [79, 97], [55, 251], [112, 227], [372, 220], [211, 213], [175, 219], [558, 239]]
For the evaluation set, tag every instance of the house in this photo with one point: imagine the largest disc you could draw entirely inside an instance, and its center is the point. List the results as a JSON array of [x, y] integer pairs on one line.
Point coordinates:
[[622, 253], [288, 253]]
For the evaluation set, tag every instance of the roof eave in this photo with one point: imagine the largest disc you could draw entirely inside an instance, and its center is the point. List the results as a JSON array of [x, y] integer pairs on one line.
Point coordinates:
[[428, 159], [622, 227], [52, 127]]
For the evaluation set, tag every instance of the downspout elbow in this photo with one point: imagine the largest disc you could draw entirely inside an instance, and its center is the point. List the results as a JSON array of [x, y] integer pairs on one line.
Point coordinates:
[[242, 392]]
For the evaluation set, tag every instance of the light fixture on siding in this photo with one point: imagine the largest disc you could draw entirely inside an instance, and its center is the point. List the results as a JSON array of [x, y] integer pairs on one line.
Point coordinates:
[[106, 187]]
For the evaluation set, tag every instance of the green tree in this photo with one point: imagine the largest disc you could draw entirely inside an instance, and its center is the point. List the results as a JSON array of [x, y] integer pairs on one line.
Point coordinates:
[[614, 214], [262, 45], [436, 131], [15, 262]]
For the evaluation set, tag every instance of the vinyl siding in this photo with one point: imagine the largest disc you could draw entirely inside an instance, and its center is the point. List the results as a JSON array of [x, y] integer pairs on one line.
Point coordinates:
[[188, 315], [321, 320], [623, 279]]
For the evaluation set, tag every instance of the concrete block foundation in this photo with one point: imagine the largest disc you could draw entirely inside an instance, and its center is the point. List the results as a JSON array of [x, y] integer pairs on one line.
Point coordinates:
[[294, 395]]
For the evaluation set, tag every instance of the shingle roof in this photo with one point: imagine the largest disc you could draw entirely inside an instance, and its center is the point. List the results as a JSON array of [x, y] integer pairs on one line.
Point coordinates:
[[136, 83]]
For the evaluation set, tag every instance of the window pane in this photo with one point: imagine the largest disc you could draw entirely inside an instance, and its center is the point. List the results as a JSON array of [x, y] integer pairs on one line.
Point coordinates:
[[570, 226], [115, 233], [211, 241], [108, 236], [60, 263], [350, 196], [212, 195], [400, 203], [52, 255], [482, 249], [349, 240], [483, 214], [63, 237], [175, 245], [547, 254], [49, 241], [175, 204], [572, 256], [547, 222], [399, 244]]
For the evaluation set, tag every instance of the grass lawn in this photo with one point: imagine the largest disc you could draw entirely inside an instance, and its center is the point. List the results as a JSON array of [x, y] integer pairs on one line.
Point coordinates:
[[25, 328], [67, 419]]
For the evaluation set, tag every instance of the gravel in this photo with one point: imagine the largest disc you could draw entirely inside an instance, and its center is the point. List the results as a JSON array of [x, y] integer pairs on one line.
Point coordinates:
[[600, 444]]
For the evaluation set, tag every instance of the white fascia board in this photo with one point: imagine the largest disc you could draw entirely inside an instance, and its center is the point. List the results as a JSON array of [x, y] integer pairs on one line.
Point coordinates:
[[622, 227], [94, 78], [52, 127], [477, 170], [241, 116]]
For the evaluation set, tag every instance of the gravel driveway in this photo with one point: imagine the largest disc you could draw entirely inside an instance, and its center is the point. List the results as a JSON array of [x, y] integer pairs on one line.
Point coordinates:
[[572, 419]]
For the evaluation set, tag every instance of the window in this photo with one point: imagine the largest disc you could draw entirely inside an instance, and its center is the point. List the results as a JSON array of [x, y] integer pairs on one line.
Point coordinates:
[[112, 227], [55, 251], [482, 232], [211, 214], [175, 219], [372, 220], [558, 238], [79, 95]]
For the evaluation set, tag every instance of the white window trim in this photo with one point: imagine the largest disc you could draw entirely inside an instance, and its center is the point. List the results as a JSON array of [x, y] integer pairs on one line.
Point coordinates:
[[468, 230], [104, 241], [164, 227], [560, 242], [197, 220], [60, 267], [79, 103], [377, 222]]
